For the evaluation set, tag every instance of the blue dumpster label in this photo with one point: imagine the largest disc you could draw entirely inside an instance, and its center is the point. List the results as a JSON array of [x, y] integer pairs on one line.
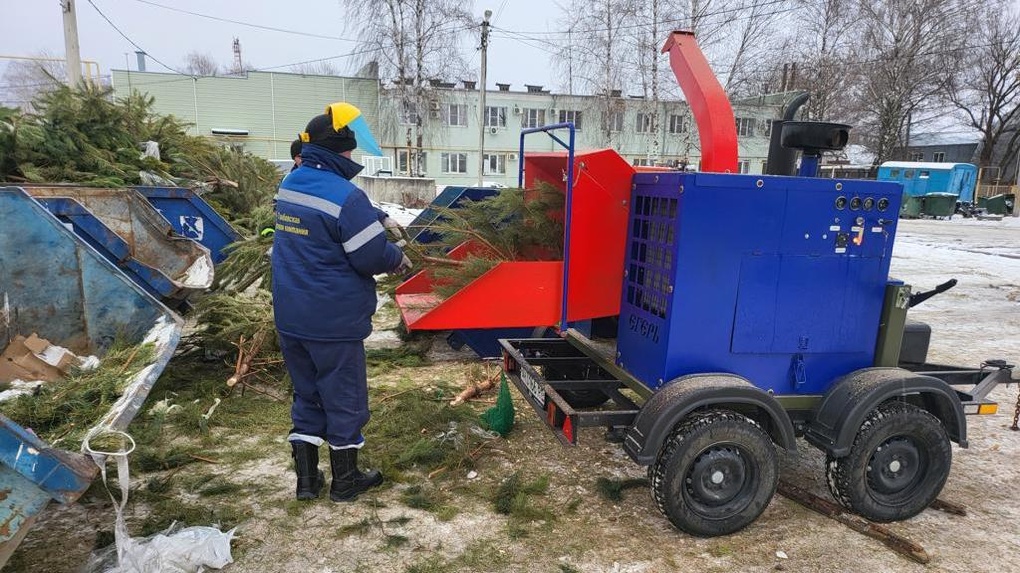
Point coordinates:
[[192, 227]]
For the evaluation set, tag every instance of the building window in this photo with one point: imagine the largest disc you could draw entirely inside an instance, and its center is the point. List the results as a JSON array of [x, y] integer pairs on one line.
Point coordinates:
[[745, 126], [767, 131], [456, 114], [495, 116], [408, 114], [677, 123], [645, 123], [745, 166], [571, 116], [917, 156], [454, 162], [494, 164], [939, 157], [403, 162], [642, 162], [615, 121], [533, 118]]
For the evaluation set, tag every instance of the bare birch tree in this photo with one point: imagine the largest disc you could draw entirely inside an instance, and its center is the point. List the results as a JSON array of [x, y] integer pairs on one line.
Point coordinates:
[[414, 41], [905, 48], [987, 88], [599, 65], [24, 80], [823, 49], [198, 64]]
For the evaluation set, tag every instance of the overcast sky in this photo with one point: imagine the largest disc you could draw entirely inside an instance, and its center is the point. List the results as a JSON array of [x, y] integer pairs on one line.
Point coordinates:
[[34, 27], [31, 27]]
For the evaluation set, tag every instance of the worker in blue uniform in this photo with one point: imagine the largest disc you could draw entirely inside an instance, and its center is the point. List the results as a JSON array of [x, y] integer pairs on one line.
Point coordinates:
[[328, 245]]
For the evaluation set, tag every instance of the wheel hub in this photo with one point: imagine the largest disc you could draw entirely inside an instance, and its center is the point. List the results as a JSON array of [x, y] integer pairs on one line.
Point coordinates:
[[717, 476], [895, 466]]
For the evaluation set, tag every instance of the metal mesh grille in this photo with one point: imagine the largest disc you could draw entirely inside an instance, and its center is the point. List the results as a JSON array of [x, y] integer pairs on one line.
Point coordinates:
[[650, 260]]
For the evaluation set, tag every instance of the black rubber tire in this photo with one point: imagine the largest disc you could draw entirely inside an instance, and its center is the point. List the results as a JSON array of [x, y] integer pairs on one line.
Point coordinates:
[[905, 478], [715, 474]]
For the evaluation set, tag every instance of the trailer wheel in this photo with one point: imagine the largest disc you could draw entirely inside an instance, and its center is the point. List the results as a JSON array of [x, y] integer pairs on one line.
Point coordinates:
[[897, 465], [715, 473]]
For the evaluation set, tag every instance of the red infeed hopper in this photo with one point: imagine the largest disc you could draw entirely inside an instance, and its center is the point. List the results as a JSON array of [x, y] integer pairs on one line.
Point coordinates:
[[530, 293]]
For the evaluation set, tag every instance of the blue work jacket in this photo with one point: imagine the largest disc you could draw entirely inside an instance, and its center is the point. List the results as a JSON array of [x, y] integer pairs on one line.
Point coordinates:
[[328, 244]]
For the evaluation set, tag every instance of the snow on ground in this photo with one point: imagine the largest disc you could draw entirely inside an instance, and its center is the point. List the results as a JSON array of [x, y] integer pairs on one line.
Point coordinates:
[[980, 317], [399, 213]]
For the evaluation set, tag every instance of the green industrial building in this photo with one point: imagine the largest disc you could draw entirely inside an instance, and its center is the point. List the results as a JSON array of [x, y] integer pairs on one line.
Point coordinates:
[[264, 111]]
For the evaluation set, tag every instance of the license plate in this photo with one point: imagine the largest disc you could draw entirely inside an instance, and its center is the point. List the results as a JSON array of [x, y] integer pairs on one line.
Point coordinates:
[[534, 387]]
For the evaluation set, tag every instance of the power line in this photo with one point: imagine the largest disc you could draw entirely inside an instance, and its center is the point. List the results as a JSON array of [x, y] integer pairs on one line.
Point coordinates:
[[129, 40], [649, 23], [248, 24]]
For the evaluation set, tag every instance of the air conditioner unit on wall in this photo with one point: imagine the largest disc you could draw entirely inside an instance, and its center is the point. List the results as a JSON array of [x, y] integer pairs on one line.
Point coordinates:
[[434, 105], [493, 130], [511, 157], [517, 110]]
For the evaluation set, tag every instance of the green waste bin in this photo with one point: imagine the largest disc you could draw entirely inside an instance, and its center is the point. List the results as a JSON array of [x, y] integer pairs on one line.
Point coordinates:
[[911, 206], [939, 204], [997, 204]]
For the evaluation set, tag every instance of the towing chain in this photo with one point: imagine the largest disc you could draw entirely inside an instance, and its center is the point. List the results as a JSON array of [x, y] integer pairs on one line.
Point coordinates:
[[1016, 411]]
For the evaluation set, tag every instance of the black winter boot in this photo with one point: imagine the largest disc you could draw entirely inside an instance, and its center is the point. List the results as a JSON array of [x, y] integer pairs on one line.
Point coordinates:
[[306, 464], [348, 480]]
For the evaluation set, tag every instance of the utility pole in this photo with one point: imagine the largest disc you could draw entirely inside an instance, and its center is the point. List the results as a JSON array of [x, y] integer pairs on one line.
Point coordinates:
[[481, 103], [72, 54]]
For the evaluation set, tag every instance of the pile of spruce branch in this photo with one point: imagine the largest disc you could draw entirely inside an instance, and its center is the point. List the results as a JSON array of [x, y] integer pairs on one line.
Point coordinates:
[[88, 137], [513, 225]]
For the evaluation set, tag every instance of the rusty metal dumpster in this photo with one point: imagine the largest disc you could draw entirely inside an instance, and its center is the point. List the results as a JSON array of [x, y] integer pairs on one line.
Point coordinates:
[[54, 284], [128, 231]]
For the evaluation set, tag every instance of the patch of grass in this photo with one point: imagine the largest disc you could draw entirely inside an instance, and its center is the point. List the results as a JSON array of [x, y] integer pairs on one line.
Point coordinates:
[[513, 498], [429, 499], [565, 568], [383, 360], [153, 459], [432, 564], [64, 410], [478, 555], [611, 489], [294, 507], [720, 550], [167, 510], [221, 488], [394, 541], [417, 430], [356, 528]]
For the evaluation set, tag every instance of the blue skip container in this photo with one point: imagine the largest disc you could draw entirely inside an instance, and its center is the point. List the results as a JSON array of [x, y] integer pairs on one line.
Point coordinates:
[[52, 283], [127, 230], [192, 218]]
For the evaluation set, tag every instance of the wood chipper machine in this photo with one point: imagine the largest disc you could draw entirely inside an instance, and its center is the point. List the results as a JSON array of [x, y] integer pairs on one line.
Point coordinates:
[[752, 310]]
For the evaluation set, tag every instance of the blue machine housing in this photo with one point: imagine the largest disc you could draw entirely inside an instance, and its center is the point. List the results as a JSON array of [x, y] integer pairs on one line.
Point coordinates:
[[780, 280]]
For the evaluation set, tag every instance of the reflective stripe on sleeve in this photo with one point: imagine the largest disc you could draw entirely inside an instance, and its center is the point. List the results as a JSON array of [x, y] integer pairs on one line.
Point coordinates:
[[310, 201], [364, 236]]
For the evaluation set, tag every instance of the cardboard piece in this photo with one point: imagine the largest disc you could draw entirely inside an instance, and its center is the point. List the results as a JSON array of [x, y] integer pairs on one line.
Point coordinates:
[[34, 358]]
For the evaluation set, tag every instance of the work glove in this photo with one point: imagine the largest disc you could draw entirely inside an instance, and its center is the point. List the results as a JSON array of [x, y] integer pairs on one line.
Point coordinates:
[[405, 265], [391, 223]]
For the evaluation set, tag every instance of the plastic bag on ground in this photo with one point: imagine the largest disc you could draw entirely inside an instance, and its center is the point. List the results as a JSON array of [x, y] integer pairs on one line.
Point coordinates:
[[176, 550]]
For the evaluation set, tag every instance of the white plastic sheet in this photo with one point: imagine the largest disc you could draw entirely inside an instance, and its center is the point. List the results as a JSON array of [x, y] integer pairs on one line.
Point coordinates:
[[187, 550]]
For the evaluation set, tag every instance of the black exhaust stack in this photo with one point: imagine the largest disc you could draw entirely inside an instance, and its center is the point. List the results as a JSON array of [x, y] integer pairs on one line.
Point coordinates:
[[783, 160]]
